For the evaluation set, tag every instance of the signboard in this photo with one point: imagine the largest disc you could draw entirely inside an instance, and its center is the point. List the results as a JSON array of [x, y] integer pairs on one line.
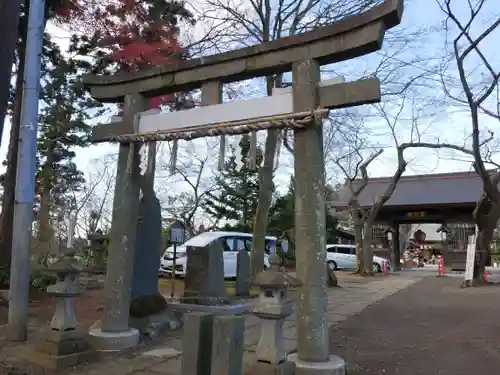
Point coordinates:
[[471, 252], [418, 214], [177, 233]]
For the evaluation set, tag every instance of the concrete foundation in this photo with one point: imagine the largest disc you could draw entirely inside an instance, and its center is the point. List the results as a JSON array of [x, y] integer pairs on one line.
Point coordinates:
[[264, 368], [57, 350], [236, 309], [154, 325], [113, 341], [334, 366]]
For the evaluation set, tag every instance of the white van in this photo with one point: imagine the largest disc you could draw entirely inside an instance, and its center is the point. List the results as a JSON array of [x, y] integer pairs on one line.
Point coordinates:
[[344, 257], [232, 243]]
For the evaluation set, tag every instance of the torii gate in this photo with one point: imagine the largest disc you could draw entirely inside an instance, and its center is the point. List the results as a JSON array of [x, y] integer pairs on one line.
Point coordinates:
[[301, 108]]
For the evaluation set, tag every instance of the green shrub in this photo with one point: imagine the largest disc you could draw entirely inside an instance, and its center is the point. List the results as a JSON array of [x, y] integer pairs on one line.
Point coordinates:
[[4, 277], [143, 306], [41, 278]]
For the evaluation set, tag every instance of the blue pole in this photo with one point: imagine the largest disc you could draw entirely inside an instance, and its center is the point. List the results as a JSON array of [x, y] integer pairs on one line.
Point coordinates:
[[25, 180]]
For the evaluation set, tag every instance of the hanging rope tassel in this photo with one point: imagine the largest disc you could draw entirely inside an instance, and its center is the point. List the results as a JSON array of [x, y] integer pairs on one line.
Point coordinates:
[[222, 152], [238, 156], [173, 156], [279, 142], [130, 157], [252, 153]]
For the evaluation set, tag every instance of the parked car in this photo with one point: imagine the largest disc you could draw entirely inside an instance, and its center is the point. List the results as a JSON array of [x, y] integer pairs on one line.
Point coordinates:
[[344, 257], [232, 243]]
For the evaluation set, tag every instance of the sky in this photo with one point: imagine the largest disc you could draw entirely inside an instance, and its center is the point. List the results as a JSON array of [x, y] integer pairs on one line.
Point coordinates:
[[441, 124]]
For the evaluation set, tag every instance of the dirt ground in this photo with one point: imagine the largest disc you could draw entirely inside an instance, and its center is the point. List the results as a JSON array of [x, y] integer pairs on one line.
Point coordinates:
[[88, 307], [432, 327]]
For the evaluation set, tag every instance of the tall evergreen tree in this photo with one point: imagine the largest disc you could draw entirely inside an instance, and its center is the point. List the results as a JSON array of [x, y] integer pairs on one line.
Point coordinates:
[[282, 215], [63, 126], [235, 200], [61, 11]]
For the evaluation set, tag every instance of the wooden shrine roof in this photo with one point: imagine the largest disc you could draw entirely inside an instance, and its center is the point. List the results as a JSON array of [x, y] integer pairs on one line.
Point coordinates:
[[430, 190]]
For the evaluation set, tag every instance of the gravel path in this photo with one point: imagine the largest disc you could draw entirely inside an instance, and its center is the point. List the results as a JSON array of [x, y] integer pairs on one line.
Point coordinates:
[[432, 327]]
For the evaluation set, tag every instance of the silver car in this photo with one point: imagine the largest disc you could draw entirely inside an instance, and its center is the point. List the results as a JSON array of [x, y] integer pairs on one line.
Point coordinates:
[[344, 257]]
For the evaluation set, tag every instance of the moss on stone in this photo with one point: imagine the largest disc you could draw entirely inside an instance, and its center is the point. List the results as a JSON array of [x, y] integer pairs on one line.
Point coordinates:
[[144, 306]]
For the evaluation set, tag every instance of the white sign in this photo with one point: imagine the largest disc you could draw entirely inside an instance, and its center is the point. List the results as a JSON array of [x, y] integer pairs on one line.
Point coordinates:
[[280, 103], [471, 252], [177, 236]]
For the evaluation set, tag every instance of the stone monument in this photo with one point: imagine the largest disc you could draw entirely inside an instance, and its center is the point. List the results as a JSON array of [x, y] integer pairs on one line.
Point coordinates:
[[62, 344], [242, 273], [148, 241], [204, 281]]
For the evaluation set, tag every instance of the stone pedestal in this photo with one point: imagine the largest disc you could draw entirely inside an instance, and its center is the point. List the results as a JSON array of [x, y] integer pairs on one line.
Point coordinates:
[[56, 350], [264, 368], [334, 366], [270, 347], [113, 341]]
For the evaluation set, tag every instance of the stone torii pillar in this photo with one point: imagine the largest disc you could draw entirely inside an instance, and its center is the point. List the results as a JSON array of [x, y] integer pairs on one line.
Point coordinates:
[[114, 333], [310, 232]]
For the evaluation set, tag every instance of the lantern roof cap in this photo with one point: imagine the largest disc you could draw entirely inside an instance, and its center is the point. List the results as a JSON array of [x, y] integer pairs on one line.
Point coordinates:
[[66, 264]]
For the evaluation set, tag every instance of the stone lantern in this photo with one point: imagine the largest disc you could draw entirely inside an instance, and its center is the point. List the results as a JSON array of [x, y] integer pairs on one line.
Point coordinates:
[[273, 309], [97, 243], [97, 247], [62, 345]]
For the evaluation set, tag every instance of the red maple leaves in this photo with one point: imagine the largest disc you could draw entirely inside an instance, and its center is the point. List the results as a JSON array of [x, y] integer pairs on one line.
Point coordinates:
[[69, 9], [137, 33]]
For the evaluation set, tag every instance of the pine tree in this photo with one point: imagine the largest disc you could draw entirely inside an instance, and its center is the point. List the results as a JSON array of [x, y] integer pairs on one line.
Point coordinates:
[[236, 197], [282, 212], [61, 11], [282, 215]]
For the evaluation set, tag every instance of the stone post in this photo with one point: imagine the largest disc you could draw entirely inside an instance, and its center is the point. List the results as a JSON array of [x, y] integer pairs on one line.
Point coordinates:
[[227, 345], [242, 273], [197, 343], [62, 345], [114, 333], [310, 232]]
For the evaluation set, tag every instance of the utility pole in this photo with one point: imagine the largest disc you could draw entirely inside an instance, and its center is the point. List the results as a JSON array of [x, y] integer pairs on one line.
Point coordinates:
[[25, 181], [10, 11]]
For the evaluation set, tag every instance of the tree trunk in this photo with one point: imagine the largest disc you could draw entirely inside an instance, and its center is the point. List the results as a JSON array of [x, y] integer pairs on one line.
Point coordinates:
[[265, 195], [9, 19], [358, 227], [367, 266], [266, 173], [483, 241], [9, 186], [45, 232], [486, 215]]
